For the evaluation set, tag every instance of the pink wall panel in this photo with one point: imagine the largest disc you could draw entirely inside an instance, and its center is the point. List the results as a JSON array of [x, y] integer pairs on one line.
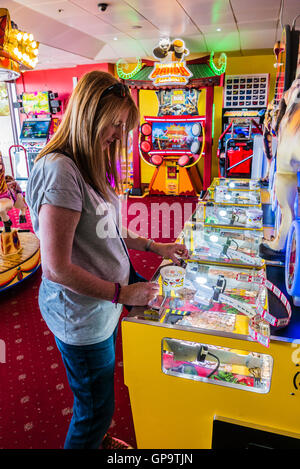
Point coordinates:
[[57, 80]]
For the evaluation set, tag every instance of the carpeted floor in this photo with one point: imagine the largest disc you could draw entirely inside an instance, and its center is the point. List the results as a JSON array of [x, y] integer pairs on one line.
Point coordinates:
[[35, 399]]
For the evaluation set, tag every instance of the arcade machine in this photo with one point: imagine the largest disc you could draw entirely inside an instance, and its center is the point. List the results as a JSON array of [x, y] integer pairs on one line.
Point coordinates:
[[37, 128], [285, 59], [287, 53], [245, 102], [174, 141], [125, 167], [34, 136], [219, 346], [19, 249], [292, 269]]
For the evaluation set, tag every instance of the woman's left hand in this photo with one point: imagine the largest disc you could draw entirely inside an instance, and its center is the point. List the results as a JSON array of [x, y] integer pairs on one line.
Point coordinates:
[[173, 251]]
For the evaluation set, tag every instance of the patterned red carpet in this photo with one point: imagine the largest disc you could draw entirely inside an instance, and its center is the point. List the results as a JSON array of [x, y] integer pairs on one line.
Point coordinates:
[[35, 399]]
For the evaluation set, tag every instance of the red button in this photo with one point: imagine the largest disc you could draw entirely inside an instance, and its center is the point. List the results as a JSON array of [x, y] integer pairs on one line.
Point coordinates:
[[157, 160], [146, 129], [145, 146], [184, 160]]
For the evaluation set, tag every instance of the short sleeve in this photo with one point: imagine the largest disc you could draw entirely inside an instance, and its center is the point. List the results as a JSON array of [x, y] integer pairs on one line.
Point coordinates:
[[54, 181]]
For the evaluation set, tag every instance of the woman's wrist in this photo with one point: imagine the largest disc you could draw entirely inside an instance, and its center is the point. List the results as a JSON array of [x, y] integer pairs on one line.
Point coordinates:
[[117, 293], [148, 245], [154, 247]]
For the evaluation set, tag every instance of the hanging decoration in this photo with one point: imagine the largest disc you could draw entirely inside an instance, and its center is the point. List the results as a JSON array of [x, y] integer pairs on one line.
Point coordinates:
[[16, 48], [220, 67], [171, 68], [125, 76]]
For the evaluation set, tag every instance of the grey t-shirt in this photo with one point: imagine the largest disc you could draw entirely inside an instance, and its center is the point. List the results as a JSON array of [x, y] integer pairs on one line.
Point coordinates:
[[97, 247]]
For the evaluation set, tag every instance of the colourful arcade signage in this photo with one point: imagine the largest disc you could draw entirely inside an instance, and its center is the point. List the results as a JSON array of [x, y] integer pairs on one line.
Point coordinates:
[[16, 47], [171, 68], [174, 73]]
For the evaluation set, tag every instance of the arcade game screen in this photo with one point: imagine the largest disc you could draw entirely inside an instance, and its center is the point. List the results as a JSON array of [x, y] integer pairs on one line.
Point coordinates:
[[172, 136], [36, 103], [35, 129], [178, 102]]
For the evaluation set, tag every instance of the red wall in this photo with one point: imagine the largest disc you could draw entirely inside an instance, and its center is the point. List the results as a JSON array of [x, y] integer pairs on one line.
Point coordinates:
[[57, 80]]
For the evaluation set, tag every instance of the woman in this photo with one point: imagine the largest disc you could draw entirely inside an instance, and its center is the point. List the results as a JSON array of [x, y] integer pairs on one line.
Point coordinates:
[[86, 275]]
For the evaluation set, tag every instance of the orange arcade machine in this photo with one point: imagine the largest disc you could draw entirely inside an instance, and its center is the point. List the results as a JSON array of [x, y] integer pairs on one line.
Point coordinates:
[[175, 140]]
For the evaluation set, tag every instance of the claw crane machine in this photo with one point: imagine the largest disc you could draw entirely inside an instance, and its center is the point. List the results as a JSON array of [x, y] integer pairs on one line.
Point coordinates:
[[213, 361]]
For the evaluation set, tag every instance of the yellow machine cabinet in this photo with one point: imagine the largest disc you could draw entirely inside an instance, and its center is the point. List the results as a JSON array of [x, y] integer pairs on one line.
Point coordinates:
[[179, 410], [215, 361]]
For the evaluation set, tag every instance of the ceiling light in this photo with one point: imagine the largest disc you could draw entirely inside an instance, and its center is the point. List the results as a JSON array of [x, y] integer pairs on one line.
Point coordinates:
[[115, 38], [218, 29]]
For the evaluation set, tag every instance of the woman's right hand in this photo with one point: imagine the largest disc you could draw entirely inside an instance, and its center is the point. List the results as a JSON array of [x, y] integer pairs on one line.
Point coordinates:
[[138, 294]]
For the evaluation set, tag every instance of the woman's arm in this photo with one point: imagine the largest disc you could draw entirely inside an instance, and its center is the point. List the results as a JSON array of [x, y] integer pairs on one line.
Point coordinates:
[[133, 241], [171, 251], [57, 229]]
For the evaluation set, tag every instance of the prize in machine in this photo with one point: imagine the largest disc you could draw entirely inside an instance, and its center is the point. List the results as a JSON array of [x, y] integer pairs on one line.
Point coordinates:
[[240, 149], [19, 247], [177, 138]]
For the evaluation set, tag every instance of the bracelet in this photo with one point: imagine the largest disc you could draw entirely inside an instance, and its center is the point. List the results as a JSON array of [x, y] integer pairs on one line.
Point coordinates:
[[117, 293], [149, 243]]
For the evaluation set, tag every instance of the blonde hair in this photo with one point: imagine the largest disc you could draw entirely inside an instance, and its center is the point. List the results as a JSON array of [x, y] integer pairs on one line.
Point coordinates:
[[79, 134]]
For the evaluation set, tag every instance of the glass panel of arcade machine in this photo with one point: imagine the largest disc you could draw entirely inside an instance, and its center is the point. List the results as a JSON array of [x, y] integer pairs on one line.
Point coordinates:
[[239, 369], [226, 195], [234, 216], [236, 184], [228, 191], [222, 245], [218, 298]]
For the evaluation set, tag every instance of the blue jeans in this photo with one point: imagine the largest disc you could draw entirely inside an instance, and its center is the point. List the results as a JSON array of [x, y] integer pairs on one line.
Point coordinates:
[[90, 372]]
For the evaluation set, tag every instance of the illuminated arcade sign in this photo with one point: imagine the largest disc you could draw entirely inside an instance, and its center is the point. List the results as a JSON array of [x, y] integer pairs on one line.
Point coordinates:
[[175, 73], [242, 113], [16, 47]]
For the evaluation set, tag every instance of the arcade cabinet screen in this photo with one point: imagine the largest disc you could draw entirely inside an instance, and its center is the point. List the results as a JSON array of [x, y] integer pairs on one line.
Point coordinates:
[[35, 129], [36, 103], [172, 136]]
